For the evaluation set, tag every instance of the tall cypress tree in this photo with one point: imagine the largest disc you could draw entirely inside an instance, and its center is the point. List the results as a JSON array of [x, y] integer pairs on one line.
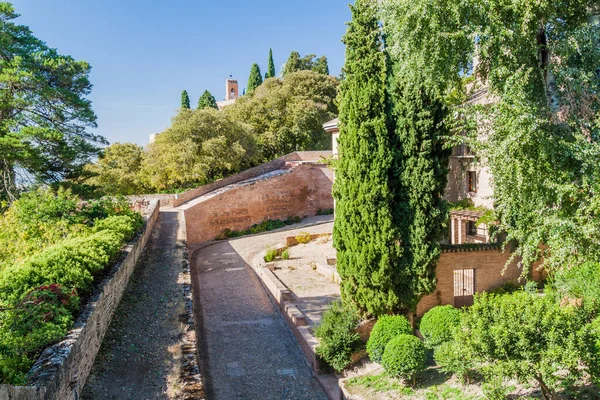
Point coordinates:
[[271, 68], [364, 233], [185, 100], [207, 100], [419, 176], [321, 66], [255, 79], [292, 64]]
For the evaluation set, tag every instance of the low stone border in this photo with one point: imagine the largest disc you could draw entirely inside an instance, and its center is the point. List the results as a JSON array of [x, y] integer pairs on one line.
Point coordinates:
[[193, 387], [296, 321], [62, 369]]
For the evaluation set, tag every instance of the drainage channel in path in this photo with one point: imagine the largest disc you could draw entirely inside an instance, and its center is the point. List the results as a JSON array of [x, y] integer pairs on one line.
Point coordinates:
[[247, 350], [142, 353]]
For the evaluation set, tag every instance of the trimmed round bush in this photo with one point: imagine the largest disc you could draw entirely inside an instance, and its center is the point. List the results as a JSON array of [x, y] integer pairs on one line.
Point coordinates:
[[438, 324], [404, 357], [386, 328]]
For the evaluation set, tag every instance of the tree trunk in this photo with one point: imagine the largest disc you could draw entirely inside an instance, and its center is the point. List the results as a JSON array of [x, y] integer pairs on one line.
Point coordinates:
[[547, 393]]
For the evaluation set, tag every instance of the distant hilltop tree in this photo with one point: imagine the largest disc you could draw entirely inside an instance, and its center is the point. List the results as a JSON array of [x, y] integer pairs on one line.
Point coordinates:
[[297, 63], [255, 79], [207, 100], [271, 68], [185, 100], [321, 66]]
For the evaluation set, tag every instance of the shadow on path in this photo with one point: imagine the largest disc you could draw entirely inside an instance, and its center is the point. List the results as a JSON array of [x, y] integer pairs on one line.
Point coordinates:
[[139, 358], [247, 350]]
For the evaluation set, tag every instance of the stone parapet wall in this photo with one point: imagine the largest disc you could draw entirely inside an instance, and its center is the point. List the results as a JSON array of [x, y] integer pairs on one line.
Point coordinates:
[[62, 370], [279, 163], [301, 192]]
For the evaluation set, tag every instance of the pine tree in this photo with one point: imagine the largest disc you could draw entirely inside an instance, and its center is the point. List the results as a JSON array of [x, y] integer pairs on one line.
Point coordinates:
[[255, 79], [420, 173], [321, 66], [207, 100], [364, 234], [271, 68], [185, 100], [292, 64]]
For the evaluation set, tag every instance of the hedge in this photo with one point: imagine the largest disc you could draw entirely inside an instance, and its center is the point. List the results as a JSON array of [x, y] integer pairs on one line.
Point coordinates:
[[40, 294]]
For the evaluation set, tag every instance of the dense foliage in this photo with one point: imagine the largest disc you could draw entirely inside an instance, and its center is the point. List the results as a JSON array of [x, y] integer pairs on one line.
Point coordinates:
[[255, 79], [528, 338], [288, 114], [438, 324], [200, 146], [537, 67], [581, 282], [386, 328], [337, 335], [404, 357], [364, 233], [44, 112], [296, 63], [207, 100], [117, 170], [62, 245]]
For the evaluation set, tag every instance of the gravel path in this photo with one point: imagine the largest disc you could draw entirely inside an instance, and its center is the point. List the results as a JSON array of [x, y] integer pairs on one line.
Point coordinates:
[[248, 351], [141, 352]]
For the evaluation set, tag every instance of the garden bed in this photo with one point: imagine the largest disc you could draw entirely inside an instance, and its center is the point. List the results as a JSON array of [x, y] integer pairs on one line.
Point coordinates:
[[62, 369]]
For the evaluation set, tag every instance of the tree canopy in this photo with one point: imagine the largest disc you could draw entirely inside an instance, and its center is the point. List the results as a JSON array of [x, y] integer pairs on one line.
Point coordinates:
[[321, 66], [200, 146], [185, 100], [538, 64], [207, 100], [117, 170], [364, 233], [255, 79], [297, 63], [271, 66], [288, 114], [44, 112]]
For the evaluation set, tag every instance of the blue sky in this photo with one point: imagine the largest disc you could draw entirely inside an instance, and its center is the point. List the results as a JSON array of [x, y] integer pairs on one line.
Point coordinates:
[[144, 53]]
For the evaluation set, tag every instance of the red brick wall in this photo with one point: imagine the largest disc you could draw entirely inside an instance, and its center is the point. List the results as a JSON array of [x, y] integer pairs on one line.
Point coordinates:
[[300, 192], [488, 265], [250, 173]]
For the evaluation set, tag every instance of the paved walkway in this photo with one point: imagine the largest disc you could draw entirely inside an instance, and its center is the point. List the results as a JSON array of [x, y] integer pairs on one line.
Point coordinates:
[[141, 352], [248, 351]]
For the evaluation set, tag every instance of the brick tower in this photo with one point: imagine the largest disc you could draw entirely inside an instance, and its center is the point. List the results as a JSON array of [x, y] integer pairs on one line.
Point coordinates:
[[231, 89]]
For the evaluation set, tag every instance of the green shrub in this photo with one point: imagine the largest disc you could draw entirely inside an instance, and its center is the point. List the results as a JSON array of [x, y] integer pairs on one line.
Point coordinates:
[[337, 335], [505, 288], [303, 237], [451, 358], [531, 287], [39, 294], [386, 328], [43, 317], [438, 324], [404, 357], [325, 211], [270, 255], [285, 255], [579, 282]]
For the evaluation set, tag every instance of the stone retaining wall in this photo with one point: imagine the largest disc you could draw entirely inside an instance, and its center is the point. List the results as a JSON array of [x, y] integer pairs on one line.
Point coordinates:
[[279, 163], [62, 370], [301, 192]]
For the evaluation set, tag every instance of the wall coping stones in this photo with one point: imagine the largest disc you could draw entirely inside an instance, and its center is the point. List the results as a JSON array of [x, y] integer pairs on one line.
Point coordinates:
[[62, 369]]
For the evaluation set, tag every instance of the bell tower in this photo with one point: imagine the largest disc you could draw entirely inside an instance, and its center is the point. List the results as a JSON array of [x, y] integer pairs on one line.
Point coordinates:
[[231, 89]]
